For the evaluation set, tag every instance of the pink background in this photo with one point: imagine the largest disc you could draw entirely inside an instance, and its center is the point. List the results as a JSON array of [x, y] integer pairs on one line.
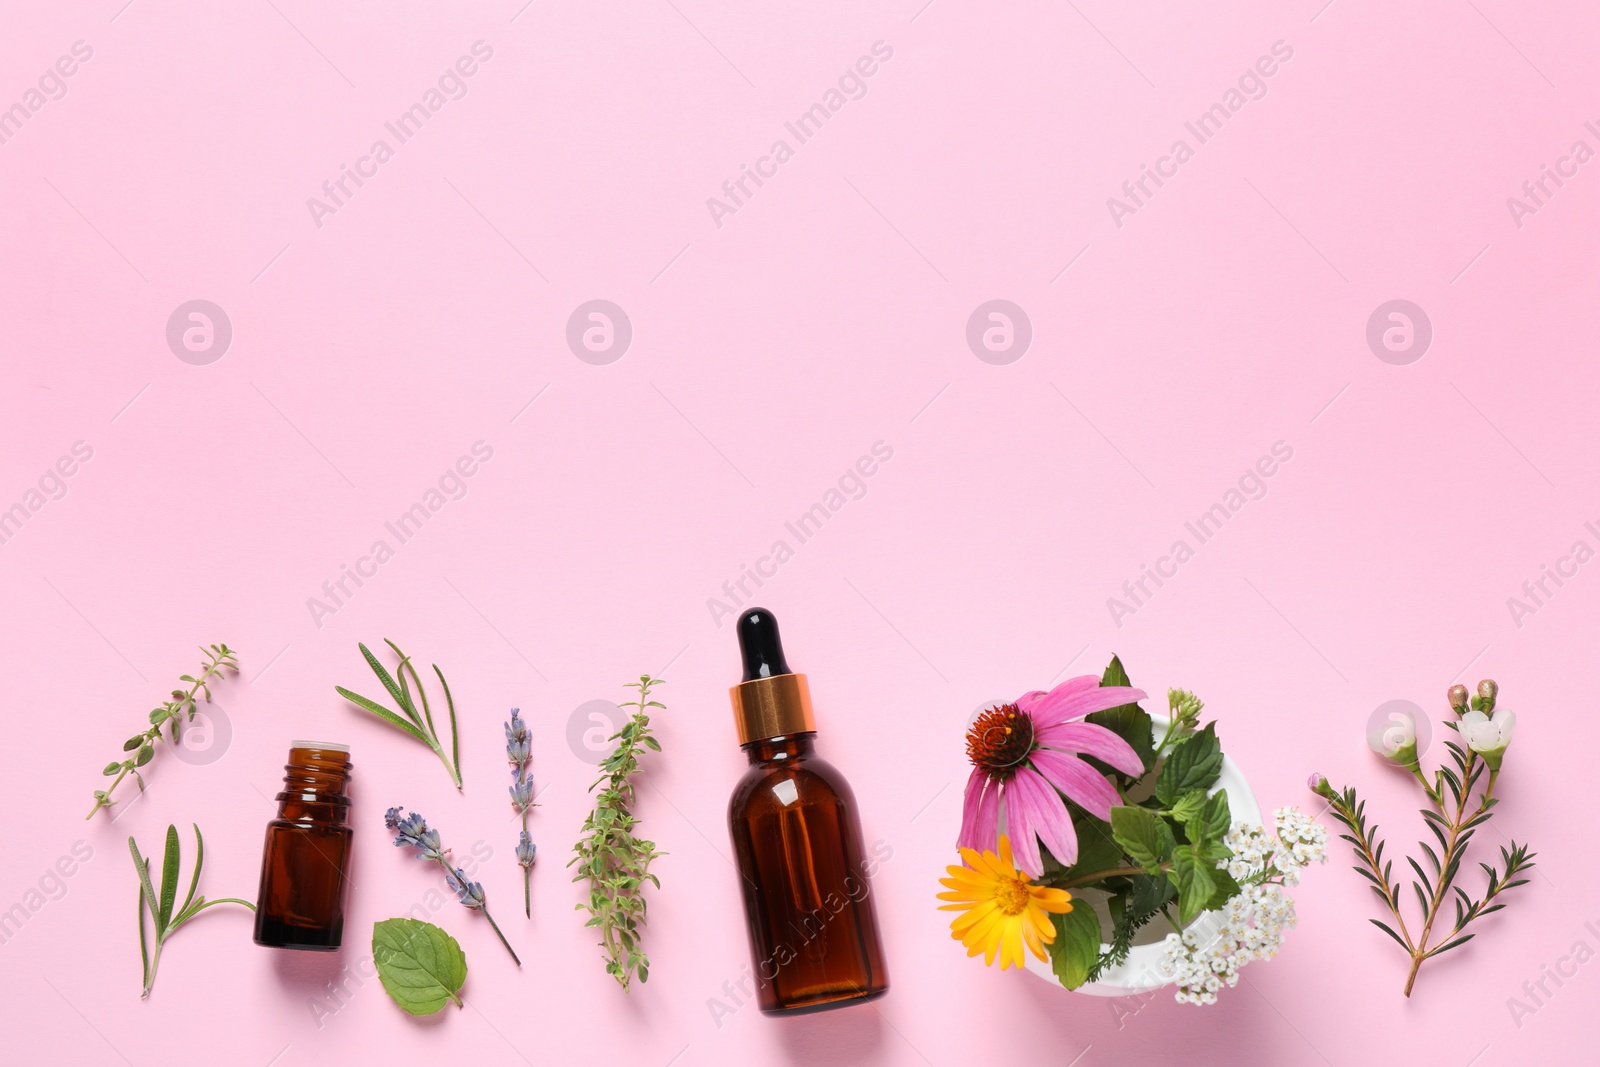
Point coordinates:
[[769, 353]]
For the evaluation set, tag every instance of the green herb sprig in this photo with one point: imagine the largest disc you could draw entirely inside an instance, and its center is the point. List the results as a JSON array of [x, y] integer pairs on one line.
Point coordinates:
[[419, 724], [163, 909], [609, 856], [179, 709], [1461, 799]]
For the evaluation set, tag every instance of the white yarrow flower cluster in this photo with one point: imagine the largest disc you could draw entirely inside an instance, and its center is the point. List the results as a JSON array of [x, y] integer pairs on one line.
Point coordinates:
[[1302, 841], [1255, 920]]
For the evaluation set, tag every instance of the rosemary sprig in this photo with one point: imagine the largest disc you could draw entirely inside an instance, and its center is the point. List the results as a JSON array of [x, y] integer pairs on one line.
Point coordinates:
[[614, 861], [167, 919], [418, 724], [179, 709]]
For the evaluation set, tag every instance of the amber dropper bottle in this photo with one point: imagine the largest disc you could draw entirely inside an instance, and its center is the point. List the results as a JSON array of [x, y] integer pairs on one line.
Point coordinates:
[[301, 900], [797, 841]]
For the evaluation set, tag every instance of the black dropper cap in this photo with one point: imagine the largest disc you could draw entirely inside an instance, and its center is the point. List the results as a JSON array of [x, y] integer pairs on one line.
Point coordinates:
[[760, 645]]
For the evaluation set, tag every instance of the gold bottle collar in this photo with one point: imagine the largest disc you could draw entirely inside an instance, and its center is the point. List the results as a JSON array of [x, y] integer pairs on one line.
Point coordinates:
[[772, 707]]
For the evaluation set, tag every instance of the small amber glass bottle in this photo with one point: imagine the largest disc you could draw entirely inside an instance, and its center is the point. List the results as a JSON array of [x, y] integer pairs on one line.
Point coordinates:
[[797, 842], [301, 901]]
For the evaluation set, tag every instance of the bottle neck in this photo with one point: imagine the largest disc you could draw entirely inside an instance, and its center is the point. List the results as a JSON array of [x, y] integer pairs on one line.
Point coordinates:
[[777, 750], [314, 783]]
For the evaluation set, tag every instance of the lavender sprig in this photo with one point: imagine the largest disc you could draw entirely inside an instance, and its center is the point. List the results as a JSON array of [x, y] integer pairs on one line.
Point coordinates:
[[519, 750], [413, 830]]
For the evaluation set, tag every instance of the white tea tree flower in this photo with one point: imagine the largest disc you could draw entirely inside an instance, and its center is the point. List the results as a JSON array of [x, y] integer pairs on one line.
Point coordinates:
[[1396, 740], [1488, 735]]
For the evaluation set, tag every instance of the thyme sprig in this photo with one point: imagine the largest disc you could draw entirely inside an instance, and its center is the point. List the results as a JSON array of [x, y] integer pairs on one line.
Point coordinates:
[[609, 856], [179, 709]]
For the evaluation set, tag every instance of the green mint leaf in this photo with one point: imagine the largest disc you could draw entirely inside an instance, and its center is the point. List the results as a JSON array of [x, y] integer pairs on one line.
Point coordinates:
[[1193, 877], [1143, 836], [1150, 893], [1097, 849], [1188, 806], [1195, 763], [1128, 721], [1077, 945], [422, 967], [1214, 821], [1227, 888]]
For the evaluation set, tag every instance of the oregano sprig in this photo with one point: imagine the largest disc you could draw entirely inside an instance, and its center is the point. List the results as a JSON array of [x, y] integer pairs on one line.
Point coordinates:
[[180, 709], [610, 857]]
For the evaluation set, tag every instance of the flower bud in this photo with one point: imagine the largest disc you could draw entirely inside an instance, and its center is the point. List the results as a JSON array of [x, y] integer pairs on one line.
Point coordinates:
[[1458, 696], [1396, 740], [1487, 691], [1318, 783]]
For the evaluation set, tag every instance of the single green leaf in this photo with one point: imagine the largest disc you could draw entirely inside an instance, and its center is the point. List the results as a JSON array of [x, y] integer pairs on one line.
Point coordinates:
[[1077, 945], [145, 887], [1150, 893], [111, 768], [1450, 945], [1215, 819], [388, 681], [146, 754], [1128, 721], [1143, 836], [1195, 763], [144, 952], [455, 736], [1226, 889], [1097, 849], [199, 861], [381, 712], [1193, 877], [169, 876], [133, 742], [1397, 938], [1188, 806], [422, 967]]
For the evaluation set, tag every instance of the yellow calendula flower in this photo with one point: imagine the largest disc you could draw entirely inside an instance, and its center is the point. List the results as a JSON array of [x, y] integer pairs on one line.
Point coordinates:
[[1001, 909]]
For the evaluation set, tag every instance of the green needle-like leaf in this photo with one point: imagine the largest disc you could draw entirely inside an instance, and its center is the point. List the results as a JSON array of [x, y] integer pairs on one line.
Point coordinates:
[[381, 712], [149, 891], [169, 876], [388, 681], [199, 861], [455, 737]]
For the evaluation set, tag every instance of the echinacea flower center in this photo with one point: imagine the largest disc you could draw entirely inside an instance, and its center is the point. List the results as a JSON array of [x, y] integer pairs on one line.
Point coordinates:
[[1011, 895], [1000, 740]]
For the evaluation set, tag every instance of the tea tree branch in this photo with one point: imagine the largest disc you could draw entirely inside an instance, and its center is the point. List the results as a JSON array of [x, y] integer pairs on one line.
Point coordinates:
[[1461, 798], [179, 709]]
